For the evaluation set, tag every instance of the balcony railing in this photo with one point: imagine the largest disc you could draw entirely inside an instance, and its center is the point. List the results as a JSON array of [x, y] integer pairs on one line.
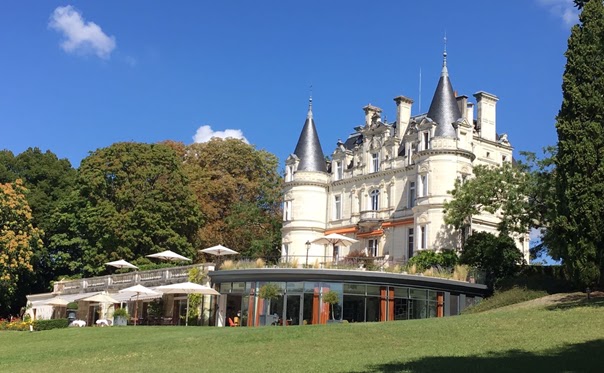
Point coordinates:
[[154, 277]]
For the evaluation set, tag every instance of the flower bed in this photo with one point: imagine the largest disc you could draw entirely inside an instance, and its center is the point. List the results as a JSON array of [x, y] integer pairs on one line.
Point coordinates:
[[15, 324]]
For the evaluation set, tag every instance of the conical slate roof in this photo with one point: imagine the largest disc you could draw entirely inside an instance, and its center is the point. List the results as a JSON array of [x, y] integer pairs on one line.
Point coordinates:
[[443, 109], [309, 149]]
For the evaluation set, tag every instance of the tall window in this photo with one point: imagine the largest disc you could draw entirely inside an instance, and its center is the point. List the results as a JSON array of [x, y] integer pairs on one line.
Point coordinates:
[[372, 247], [423, 179], [374, 200], [339, 170], [287, 210], [375, 162], [289, 173], [426, 140], [337, 207], [411, 201], [410, 243], [336, 254], [423, 237], [285, 253]]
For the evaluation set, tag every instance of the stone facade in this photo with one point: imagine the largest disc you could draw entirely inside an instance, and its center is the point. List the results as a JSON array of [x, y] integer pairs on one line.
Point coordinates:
[[386, 184]]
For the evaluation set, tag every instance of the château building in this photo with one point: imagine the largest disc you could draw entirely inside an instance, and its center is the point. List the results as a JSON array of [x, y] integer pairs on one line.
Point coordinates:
[[387, 183]]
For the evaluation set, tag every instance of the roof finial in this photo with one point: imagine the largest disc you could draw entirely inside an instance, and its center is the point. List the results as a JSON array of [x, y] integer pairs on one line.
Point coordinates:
[[309, 115], [445, 72]]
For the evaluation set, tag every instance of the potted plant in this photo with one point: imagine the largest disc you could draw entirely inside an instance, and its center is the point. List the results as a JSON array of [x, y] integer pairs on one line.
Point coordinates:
[[268, 292], [332, 298], [120, 317]]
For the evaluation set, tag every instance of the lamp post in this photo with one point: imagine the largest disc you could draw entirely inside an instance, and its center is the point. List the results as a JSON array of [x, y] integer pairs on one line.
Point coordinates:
[[307, 248]]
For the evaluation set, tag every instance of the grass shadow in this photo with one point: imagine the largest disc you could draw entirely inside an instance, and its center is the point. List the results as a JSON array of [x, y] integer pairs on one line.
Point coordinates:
[[577, 300], [582, 357]]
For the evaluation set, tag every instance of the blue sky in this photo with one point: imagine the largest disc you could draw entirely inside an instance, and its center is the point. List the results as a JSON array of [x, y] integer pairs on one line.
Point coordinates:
[[77, 76]]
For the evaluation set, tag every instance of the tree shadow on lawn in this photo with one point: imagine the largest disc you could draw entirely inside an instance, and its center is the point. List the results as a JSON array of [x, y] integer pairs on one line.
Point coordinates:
[[582, 357], [578, 300]]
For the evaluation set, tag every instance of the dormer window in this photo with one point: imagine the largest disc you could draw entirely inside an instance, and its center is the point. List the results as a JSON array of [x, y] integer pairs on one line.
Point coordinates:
[[339, 170], [289, 173], [426, 140], [375, 162]]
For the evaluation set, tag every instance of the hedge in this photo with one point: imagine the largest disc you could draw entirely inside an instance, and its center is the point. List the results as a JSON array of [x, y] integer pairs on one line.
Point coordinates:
[[50, 324]]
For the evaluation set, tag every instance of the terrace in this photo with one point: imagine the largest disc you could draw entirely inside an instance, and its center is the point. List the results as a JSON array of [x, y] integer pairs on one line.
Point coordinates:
[[114, 282]]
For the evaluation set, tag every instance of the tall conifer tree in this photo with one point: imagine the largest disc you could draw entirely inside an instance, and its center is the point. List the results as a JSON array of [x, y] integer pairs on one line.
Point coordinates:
[[577, 231]]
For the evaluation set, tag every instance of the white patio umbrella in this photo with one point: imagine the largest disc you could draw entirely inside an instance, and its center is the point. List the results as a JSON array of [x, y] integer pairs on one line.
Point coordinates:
[[138, 289], [101, 298], [335, 239], [58, 302], [187, 288], [169, 255], [219, 250], [121, 264]]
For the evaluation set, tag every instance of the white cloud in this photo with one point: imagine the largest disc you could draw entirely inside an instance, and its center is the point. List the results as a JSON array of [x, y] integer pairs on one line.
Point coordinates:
[[80, 36], [205, 134], [535, 235], [564, 9]]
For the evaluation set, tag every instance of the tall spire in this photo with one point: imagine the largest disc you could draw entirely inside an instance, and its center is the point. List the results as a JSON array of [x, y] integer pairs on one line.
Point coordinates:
[[443, 109], [308, 149]]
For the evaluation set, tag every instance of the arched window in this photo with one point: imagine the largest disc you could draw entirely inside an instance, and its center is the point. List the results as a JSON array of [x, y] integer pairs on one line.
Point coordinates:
[[374, 199]]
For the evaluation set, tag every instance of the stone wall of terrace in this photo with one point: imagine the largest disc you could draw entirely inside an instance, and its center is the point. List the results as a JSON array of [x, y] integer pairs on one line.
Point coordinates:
[[115, 282]]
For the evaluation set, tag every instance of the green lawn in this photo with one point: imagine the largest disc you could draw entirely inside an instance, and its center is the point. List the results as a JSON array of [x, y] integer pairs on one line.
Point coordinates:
[[544, 338]]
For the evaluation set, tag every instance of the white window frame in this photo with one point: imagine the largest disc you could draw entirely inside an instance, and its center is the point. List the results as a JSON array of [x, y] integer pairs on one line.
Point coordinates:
[[423, 237], [339, 170], [410, 243], [287, 210], [372, 246], [412, 194], [375, 162], [337, 207], [289, 173], [426, 140], [423, 181], [374, 200]]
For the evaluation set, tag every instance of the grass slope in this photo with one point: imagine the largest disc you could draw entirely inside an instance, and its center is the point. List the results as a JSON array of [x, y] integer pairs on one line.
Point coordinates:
[[562, 337]]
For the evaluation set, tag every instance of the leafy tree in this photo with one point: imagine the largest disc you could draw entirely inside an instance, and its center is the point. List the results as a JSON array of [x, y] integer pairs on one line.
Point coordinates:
[[576, 234], [238, 189], [504, 190], [132, 200], [19, 239], [332, 298], [48, 180], [497, 256]]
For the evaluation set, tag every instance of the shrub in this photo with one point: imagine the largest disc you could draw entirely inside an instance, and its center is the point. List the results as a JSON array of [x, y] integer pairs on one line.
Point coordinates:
[[72, 306], [427, 258], [121, 312], [260, 263], [50, 324]]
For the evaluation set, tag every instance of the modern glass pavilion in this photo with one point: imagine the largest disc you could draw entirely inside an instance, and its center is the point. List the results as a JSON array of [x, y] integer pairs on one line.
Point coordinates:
[[364, 296]]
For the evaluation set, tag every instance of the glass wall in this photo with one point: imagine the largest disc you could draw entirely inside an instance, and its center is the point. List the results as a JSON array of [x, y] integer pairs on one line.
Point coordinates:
[[301, 303]]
